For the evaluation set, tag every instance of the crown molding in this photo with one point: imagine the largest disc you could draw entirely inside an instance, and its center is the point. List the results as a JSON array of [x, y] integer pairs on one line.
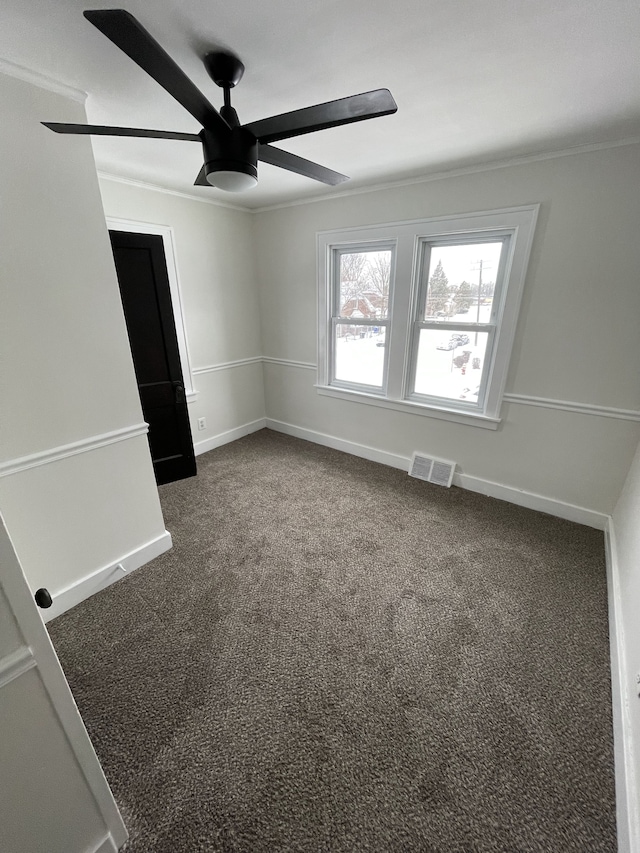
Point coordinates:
[[144, 185], [405, 182], [41, 81], [455, 173]]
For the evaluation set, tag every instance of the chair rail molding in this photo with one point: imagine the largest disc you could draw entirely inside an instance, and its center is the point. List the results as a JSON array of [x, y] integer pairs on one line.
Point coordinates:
[[517, 399], [16, 664], [303, 365], [228, 365], [571, 406], [53, 454]]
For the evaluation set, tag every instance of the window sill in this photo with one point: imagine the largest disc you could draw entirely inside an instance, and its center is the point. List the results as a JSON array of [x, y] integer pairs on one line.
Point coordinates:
[[455, 415]]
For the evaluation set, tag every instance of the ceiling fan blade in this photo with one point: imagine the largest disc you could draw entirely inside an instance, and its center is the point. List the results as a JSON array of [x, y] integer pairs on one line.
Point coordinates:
[[104, 130], [379, 102], [131, 37], [286, 160], [201, 180]]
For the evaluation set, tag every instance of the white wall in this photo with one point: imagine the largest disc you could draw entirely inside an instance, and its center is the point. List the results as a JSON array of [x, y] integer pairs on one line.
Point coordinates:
[[626, 539], [68, 381], [215, 260], [575, 341]]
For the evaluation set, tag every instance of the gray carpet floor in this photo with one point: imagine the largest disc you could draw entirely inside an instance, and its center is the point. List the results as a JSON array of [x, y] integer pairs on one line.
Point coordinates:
[[336, 657]]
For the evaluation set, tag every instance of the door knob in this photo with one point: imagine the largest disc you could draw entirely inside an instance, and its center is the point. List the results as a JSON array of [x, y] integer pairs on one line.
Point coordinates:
[[43, 598]]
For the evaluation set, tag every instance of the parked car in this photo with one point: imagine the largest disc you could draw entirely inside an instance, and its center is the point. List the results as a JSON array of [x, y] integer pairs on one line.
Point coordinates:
[[456, 340]]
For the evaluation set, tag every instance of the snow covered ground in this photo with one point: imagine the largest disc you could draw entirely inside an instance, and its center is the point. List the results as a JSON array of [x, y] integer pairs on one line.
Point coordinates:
[[439, 373], [360, 360]]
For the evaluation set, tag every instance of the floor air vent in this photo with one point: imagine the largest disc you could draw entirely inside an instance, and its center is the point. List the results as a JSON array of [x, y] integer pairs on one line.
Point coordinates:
[[438, 471]]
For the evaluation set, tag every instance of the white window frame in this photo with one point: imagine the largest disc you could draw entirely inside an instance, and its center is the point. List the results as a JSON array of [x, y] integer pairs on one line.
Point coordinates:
[[336, 319], [491, 327], [514, 225]]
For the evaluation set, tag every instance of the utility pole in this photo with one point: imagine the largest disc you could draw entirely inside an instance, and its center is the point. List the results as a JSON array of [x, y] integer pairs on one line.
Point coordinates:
[[479, 269]]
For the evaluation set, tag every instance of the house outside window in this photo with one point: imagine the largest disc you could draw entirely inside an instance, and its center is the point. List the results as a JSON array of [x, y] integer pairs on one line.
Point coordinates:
[[421, 315], [359, 306]]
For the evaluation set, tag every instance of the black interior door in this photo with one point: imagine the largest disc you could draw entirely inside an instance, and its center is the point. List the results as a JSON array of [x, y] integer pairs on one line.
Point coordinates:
[[144, 286]]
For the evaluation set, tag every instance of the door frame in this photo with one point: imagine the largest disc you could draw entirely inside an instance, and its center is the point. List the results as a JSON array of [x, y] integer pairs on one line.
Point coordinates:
[[168, 241]]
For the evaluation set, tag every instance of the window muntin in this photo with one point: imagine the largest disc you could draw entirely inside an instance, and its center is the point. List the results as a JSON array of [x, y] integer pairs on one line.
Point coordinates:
[[456, 316], [360, 309]]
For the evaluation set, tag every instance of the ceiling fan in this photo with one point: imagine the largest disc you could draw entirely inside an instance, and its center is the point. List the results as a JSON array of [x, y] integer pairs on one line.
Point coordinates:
[[231, 150]]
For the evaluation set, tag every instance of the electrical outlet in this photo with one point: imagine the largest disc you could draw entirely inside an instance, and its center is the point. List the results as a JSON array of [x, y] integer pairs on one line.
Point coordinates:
[[202, 423]]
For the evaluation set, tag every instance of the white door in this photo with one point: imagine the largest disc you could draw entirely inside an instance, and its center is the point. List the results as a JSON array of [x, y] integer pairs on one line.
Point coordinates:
[[54, 797]]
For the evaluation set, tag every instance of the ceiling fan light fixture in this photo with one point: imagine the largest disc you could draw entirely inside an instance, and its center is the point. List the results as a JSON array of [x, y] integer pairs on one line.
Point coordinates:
[[231, 180], [230, 159]]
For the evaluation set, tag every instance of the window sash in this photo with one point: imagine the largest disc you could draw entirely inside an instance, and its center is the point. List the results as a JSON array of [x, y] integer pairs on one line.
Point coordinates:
[[358, 386], [336, 318], [355, 249], [426, 244], [451, 402], [418, 311]]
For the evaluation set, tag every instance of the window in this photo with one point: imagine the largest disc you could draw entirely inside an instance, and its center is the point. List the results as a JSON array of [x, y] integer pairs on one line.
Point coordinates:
[[361, 281], [455, 321], [421, 315]]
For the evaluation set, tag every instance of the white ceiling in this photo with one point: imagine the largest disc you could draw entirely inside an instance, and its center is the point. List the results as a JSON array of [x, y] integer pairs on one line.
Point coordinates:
[[475, 80]]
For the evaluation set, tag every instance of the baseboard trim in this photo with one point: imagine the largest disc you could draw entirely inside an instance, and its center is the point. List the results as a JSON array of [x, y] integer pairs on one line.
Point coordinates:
[[201, 447], [355, 449], [531, 500], [106, 845], [561, 509], [627, 790], [78, 591]]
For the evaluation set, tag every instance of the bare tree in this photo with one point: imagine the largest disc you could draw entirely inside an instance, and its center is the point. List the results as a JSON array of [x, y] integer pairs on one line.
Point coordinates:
[[379, 274], [352, 276]]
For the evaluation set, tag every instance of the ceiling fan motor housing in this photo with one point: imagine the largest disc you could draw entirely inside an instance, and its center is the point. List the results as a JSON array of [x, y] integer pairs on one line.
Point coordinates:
[[236, 151]]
